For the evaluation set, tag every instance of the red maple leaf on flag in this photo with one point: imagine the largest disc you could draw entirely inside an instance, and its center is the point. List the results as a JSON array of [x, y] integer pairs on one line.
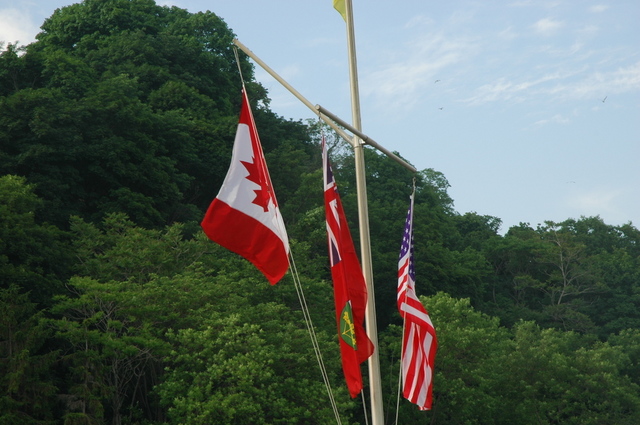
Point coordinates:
[[257, 234], [263, 195]]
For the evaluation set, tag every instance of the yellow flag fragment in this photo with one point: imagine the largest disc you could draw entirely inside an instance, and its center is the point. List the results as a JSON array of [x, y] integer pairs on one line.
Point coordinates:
[[340, 7]]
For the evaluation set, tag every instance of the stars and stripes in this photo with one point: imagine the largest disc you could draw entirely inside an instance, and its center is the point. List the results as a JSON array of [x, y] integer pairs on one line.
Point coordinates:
[[419, 337]]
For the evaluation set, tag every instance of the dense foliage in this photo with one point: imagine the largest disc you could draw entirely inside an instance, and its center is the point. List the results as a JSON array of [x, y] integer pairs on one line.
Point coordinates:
[[116, 128]]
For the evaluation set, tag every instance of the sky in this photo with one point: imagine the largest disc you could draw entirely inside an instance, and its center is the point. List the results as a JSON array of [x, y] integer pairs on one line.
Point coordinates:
[[530, 108]]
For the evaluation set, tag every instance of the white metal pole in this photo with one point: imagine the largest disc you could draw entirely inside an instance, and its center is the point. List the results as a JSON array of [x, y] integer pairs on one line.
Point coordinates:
[[377, 415], [327, 116], [293, 91], [366, 139]]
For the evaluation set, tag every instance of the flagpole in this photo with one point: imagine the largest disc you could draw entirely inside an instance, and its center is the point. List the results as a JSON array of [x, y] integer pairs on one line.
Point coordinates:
[[364, 138], [377, 415], [325, 115]]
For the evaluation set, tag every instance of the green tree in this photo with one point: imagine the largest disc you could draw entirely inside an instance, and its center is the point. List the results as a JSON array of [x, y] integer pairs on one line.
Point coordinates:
[[27, 389], [470, 347], [110, 323], [562, 377], [141, 292], [239, 370], [488, 374], [628, 341], [111, 347], [127, 106], [34, 257], [511, 258], [613, 256], [567, 275]]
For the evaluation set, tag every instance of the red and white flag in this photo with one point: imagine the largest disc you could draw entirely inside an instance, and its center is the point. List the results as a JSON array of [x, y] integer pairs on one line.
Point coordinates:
[[349, 286], [419, 342], [244, 217]]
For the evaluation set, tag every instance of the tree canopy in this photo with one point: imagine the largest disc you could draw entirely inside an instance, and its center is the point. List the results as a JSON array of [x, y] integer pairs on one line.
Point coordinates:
[[116, 129]]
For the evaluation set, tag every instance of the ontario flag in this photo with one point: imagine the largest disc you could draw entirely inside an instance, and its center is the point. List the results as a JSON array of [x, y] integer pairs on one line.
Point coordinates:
[[419, 342], [244, 217], [349, 287]]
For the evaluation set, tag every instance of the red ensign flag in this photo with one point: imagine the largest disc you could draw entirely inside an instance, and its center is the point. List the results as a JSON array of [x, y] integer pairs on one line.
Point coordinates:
[[244, 217], [349, 287]]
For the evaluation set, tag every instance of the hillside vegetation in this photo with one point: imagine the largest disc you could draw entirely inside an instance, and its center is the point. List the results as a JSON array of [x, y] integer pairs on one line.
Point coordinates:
[[116, 130]]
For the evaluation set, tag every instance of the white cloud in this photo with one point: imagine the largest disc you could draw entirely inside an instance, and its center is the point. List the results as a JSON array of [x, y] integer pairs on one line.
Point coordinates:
[[602, 201], [503, 89], [547, 26], [537, 3], [419, 21], [397, 82], [508, 34], [626, 78], [497, 90], [169, 3], [560, 85], [289, 72], [622, 80], [521, 3], [598, 8], [588, 30], [556, 119], [16, 25]]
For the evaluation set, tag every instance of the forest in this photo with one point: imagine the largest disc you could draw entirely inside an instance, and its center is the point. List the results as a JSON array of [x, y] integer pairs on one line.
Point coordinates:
[[116, 130]]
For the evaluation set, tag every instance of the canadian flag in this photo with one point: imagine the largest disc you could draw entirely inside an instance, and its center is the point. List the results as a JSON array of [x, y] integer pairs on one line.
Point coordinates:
[[244, 217]]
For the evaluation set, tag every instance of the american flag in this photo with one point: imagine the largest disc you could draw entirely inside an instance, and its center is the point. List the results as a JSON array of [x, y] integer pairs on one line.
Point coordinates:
[[419, 336]]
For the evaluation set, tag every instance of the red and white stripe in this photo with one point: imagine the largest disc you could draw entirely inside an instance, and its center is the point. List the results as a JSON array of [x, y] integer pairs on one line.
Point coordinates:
[[419, 343]]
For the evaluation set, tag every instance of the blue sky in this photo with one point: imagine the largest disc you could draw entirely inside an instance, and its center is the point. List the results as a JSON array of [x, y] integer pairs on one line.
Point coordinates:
[[531, 109]]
